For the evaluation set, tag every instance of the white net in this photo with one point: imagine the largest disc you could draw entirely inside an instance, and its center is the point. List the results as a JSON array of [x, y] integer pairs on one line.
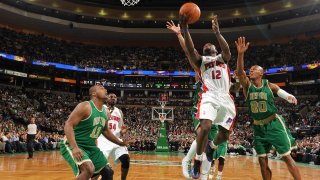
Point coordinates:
[[129, 2]]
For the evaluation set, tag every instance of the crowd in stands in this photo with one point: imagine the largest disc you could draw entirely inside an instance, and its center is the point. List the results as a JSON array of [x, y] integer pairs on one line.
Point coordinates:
[[51, 110], [154, 102], [41, 47], [281, 55], [17, 108], [303, 115], [308, 150], [14, 136]]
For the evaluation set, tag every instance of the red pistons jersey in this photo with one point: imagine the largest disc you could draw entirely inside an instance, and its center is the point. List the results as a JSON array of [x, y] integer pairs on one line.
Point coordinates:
[[115, 121], [215, 74]]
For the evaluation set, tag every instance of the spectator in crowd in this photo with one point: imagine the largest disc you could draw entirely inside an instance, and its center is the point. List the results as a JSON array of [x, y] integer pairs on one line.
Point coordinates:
[[8, 146]]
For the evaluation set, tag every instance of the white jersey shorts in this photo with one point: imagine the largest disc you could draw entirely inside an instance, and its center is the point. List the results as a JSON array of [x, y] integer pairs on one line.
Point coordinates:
[[218, 107], [110, 149]]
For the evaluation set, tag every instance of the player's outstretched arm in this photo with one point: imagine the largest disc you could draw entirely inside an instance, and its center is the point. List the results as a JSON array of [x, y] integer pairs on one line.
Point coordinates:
[[176, 29], [109, 135], [226, 54], [283, 94], [82, 111], [194, 57], [242, 47]]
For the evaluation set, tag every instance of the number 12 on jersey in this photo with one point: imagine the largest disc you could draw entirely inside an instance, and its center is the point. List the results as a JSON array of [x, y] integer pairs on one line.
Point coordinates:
[[216, 74]]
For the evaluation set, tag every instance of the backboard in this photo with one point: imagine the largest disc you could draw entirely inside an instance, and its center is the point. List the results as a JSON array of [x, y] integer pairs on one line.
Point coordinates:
[[162, 113]]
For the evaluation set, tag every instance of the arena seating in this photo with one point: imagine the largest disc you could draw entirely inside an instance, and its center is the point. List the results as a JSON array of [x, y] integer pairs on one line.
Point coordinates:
[[40, 47], [51, 109]]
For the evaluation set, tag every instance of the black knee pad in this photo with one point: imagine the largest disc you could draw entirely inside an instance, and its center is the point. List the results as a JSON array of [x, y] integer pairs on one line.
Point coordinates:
[[87, 168], [94, 176], [125, 161], [221, 161], [107, 173]]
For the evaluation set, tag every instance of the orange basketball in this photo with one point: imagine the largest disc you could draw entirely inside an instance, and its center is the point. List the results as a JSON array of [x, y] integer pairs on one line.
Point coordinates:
[[192, 10]]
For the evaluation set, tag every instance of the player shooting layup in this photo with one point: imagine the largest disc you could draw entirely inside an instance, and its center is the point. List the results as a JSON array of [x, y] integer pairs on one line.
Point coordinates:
[[216, 105]]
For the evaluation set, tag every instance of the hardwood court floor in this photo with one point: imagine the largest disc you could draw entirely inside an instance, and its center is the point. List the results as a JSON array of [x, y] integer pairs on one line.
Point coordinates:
[[50, 165]]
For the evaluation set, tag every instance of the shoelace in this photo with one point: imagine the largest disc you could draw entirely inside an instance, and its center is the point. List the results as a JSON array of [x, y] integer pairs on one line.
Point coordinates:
[[189, 166]]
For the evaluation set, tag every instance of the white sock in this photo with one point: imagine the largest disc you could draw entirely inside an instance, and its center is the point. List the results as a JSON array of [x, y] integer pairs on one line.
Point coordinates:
[[212, 145], [198, 157], [219, 173], [192, 151], [205, 166]]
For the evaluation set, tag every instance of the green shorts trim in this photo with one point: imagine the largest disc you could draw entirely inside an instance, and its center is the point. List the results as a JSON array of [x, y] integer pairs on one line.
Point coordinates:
[[221, 151], [292, 140], [273, 134], [90, 154], [196, 122]]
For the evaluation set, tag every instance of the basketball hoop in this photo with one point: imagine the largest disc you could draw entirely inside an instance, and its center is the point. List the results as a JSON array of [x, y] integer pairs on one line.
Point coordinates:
[[129, 2], [162, 113]]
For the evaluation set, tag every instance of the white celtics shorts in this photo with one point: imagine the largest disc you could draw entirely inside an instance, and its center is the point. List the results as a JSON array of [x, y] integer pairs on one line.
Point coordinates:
[[110, 149], [217, 107]]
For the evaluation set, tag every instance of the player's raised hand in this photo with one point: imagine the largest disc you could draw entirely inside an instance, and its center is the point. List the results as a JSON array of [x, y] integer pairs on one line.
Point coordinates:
[[292, 99], [215, 24], [241, 45], [77, 154], [173, 27]]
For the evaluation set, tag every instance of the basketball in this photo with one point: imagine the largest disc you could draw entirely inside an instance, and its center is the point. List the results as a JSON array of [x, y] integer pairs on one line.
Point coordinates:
[[190, 10]]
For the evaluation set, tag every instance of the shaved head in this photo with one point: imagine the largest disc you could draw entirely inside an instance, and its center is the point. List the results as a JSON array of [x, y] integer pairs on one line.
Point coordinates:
[[98, 91], [256, 72], [93, 89], [257, 67]]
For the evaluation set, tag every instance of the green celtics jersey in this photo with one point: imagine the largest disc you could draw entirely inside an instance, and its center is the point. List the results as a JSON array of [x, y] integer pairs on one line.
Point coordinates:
[[260, 101], [196, 96], [89, 129]]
